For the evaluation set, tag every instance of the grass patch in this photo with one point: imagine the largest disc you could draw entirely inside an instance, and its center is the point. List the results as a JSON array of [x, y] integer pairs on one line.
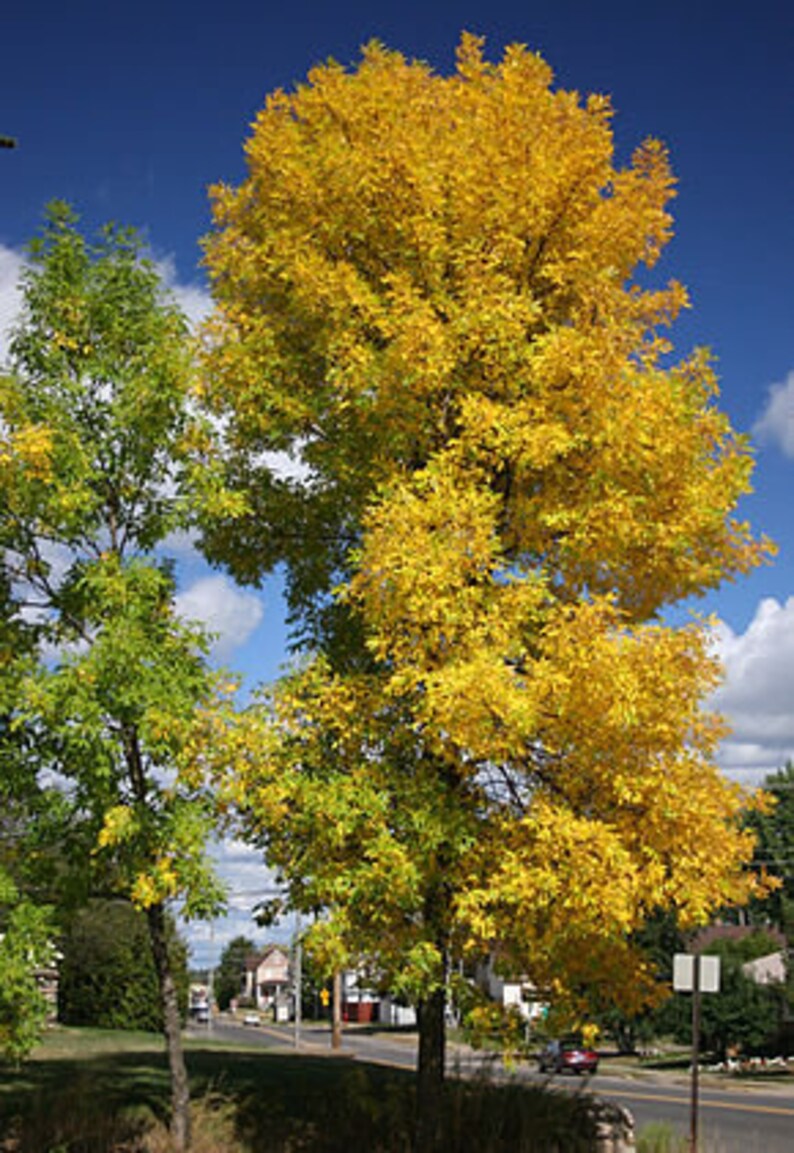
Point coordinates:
[[91, 1091], [659, 1137]]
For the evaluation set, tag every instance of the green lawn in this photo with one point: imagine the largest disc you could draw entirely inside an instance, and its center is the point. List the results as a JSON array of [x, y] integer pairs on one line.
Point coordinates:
[[91, 1091]]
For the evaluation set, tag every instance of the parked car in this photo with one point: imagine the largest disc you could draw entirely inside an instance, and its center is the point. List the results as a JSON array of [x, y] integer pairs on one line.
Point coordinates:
[[567, 1053], [251, 1019]]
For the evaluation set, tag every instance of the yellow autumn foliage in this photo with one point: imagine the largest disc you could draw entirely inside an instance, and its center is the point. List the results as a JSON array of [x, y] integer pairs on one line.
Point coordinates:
[[435, 290]]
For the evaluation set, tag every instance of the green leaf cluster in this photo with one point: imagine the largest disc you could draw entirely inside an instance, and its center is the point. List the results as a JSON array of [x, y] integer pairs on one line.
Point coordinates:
[[26, 946]]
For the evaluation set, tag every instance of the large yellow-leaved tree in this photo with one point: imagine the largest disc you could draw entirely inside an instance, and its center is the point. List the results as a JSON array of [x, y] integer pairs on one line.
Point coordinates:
[[433, 292]]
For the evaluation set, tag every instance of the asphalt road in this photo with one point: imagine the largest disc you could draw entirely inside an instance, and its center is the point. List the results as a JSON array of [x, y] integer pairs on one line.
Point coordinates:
[[732, 1119]]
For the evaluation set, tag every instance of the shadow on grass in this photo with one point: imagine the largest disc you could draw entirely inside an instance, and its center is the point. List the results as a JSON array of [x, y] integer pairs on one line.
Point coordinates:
[[270, 1103]]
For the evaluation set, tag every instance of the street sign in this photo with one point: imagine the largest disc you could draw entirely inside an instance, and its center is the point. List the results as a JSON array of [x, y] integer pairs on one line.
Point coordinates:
[[695, 974], [684, 973]]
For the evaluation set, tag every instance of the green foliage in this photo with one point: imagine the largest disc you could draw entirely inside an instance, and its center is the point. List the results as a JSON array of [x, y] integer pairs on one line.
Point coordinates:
[[228, 979], [25, 947], [92, 475], [107, 695], [101, 365], [107, 974], [744, 1015], [774, 851]]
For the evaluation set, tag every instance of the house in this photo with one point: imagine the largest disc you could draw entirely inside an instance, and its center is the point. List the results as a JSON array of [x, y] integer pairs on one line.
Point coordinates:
[[394, 1012], [511, 992], [268, 980], [720, 931], [360, 1001], [767, 970]]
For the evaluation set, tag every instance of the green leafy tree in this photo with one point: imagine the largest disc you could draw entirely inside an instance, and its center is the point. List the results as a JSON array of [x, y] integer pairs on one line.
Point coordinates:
[[26, 946], [743, 1016], [228, 978], [94, 421], [433, 292], [29, 856], [107, 976]]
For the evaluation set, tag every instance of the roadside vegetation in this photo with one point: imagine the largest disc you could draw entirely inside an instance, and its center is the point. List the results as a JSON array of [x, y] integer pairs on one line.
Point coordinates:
[[94, 1091]]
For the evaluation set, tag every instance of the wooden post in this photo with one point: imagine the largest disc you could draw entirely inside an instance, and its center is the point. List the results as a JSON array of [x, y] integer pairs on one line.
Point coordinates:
[[693, 1111]]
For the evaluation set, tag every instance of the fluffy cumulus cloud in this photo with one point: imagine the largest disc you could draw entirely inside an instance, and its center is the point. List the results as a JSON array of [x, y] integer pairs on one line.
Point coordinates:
[[757, 696], [194, 300], [230, 613], [776, 423]]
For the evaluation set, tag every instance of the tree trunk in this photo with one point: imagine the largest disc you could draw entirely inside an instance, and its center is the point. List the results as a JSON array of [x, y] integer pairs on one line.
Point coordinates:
[[172, 1028], [336, 1012], [430, 1072]]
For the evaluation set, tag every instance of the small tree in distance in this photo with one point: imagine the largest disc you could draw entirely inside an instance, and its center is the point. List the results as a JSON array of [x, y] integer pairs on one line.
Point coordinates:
[[433, 290], [228, 977]]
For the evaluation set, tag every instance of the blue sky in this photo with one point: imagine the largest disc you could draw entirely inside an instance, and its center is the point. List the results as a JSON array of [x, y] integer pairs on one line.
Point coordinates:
[[130, 111]]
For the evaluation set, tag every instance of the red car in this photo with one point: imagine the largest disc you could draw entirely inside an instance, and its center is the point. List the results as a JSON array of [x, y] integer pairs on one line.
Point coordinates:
[[557, 1056]]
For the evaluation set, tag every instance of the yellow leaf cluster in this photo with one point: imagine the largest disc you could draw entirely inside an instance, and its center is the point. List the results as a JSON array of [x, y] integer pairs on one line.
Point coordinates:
[[118, 825], [30, 449]]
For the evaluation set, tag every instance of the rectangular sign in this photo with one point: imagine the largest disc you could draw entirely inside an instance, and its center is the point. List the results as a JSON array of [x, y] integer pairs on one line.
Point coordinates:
[[684, 973]]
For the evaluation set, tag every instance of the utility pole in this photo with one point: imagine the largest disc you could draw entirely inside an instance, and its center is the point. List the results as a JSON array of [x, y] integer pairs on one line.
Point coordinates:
[[211, 980], [298, 978]]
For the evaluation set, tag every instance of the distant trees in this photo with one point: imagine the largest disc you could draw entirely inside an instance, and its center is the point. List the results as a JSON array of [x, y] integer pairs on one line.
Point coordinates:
[[774, 850], [228, 977], [744, 1015], [108, 977]]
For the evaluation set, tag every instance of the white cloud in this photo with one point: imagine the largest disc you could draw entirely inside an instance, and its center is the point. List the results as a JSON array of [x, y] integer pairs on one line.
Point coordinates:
[[11, 264], [195, 301], [757, 696], [776, 423], [249, 882], [231, 613]]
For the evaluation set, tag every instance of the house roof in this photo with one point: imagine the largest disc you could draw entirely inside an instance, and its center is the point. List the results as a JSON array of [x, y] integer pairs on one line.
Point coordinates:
[[723, 932], [253, 962]]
